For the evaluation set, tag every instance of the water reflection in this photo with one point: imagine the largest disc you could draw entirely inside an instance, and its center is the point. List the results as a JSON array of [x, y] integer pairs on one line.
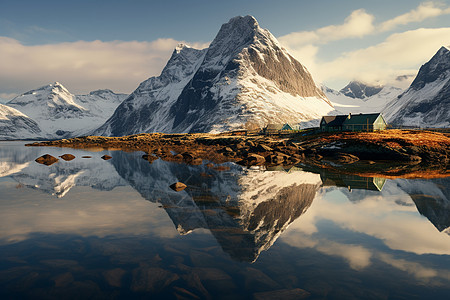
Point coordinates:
[[96, 236], [245, 210]]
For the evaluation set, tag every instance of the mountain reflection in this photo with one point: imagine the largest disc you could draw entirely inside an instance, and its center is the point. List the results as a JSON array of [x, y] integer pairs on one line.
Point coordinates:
[[245, 209]]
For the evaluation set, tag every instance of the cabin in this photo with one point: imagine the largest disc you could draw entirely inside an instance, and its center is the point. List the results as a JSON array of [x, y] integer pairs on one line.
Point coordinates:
[[272, 128], [276, 128], [352, 122], [287, 126]]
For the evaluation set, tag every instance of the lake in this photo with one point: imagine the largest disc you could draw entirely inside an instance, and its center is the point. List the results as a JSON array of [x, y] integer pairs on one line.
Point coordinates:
[[113, 229]]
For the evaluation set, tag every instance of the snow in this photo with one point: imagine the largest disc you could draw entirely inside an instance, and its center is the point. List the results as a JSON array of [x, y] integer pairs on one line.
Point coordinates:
[[55, 109], [425, 102], [376, 103]]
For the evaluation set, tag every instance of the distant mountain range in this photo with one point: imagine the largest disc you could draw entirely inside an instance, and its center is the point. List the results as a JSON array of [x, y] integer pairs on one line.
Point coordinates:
[[59, 114], [244, 79]]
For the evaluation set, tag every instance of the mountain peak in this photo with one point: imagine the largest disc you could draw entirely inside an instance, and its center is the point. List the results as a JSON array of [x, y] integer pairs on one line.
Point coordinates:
[[360, 90], [243, 21], [445, 48], [437, 67]]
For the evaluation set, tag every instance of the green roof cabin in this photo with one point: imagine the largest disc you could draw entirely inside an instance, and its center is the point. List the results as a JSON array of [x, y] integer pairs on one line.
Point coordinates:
[[350, 122]]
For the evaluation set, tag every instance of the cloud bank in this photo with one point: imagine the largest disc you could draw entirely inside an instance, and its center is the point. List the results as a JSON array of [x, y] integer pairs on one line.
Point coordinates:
[[399, 54], [82, 66]]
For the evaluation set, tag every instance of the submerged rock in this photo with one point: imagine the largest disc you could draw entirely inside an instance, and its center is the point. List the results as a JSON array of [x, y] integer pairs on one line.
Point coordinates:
[[47, 160], [283, 294]]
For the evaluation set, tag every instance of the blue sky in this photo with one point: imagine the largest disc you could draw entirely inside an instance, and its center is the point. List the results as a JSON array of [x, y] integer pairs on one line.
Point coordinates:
[[89, 45]]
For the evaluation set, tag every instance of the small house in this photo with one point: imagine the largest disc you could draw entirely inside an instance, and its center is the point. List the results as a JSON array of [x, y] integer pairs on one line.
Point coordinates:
[[273, 128], [287, 126], [353, 122], [332, 123]]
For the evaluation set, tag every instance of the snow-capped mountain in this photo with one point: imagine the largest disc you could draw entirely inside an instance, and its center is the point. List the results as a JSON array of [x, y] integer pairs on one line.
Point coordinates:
[[360, 90], [61, 114], [15, 125], [425, 103], [345, 104], [244, 77]]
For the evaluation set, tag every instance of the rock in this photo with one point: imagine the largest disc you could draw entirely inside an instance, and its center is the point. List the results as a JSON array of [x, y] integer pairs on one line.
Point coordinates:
[[67, 157], [47, 160], [256, 280], [227, 149], [178, 186], [275, 159], [151, 158], [262, 148], [346, 158], [178, 157], [63, 280], [255, 159], [106, 157], [114, 277], [187, 156], [196, 161], [151, 279], [284, 294]]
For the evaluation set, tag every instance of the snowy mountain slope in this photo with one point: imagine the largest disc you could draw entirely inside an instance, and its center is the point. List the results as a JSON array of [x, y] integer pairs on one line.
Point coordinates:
[[360, 90], [147, 108], [16, 125], [376, 103], [244, 77], [425, 103], [62, 114]]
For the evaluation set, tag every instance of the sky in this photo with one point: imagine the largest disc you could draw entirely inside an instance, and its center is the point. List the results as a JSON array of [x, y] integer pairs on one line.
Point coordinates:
[[90, 45]]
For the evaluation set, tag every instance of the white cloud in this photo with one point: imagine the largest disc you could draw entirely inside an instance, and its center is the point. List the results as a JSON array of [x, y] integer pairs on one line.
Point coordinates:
[[422, 12], [399, 54], [358, 24], [82, 66]]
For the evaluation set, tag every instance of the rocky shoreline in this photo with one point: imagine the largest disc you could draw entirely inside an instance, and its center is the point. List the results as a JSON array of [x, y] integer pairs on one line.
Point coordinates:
[[388, 153]]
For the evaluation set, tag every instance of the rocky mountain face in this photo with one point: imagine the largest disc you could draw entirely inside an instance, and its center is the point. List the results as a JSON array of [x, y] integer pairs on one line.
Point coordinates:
[[425, 103], [15, 125], [62, 114], [244, 77], [356, 89]]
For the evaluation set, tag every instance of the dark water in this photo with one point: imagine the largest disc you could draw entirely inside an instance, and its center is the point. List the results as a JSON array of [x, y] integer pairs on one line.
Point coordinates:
[[90, 228]]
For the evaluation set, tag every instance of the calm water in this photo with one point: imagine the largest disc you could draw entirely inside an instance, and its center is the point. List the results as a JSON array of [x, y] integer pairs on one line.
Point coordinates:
[[90, 228]]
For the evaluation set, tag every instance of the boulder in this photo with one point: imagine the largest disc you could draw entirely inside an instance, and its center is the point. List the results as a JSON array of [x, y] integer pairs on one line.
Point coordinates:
[[262, 148], [67, 157], [255, 159], [196, 161], [275, 159], [47, 160], [178, 186]]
